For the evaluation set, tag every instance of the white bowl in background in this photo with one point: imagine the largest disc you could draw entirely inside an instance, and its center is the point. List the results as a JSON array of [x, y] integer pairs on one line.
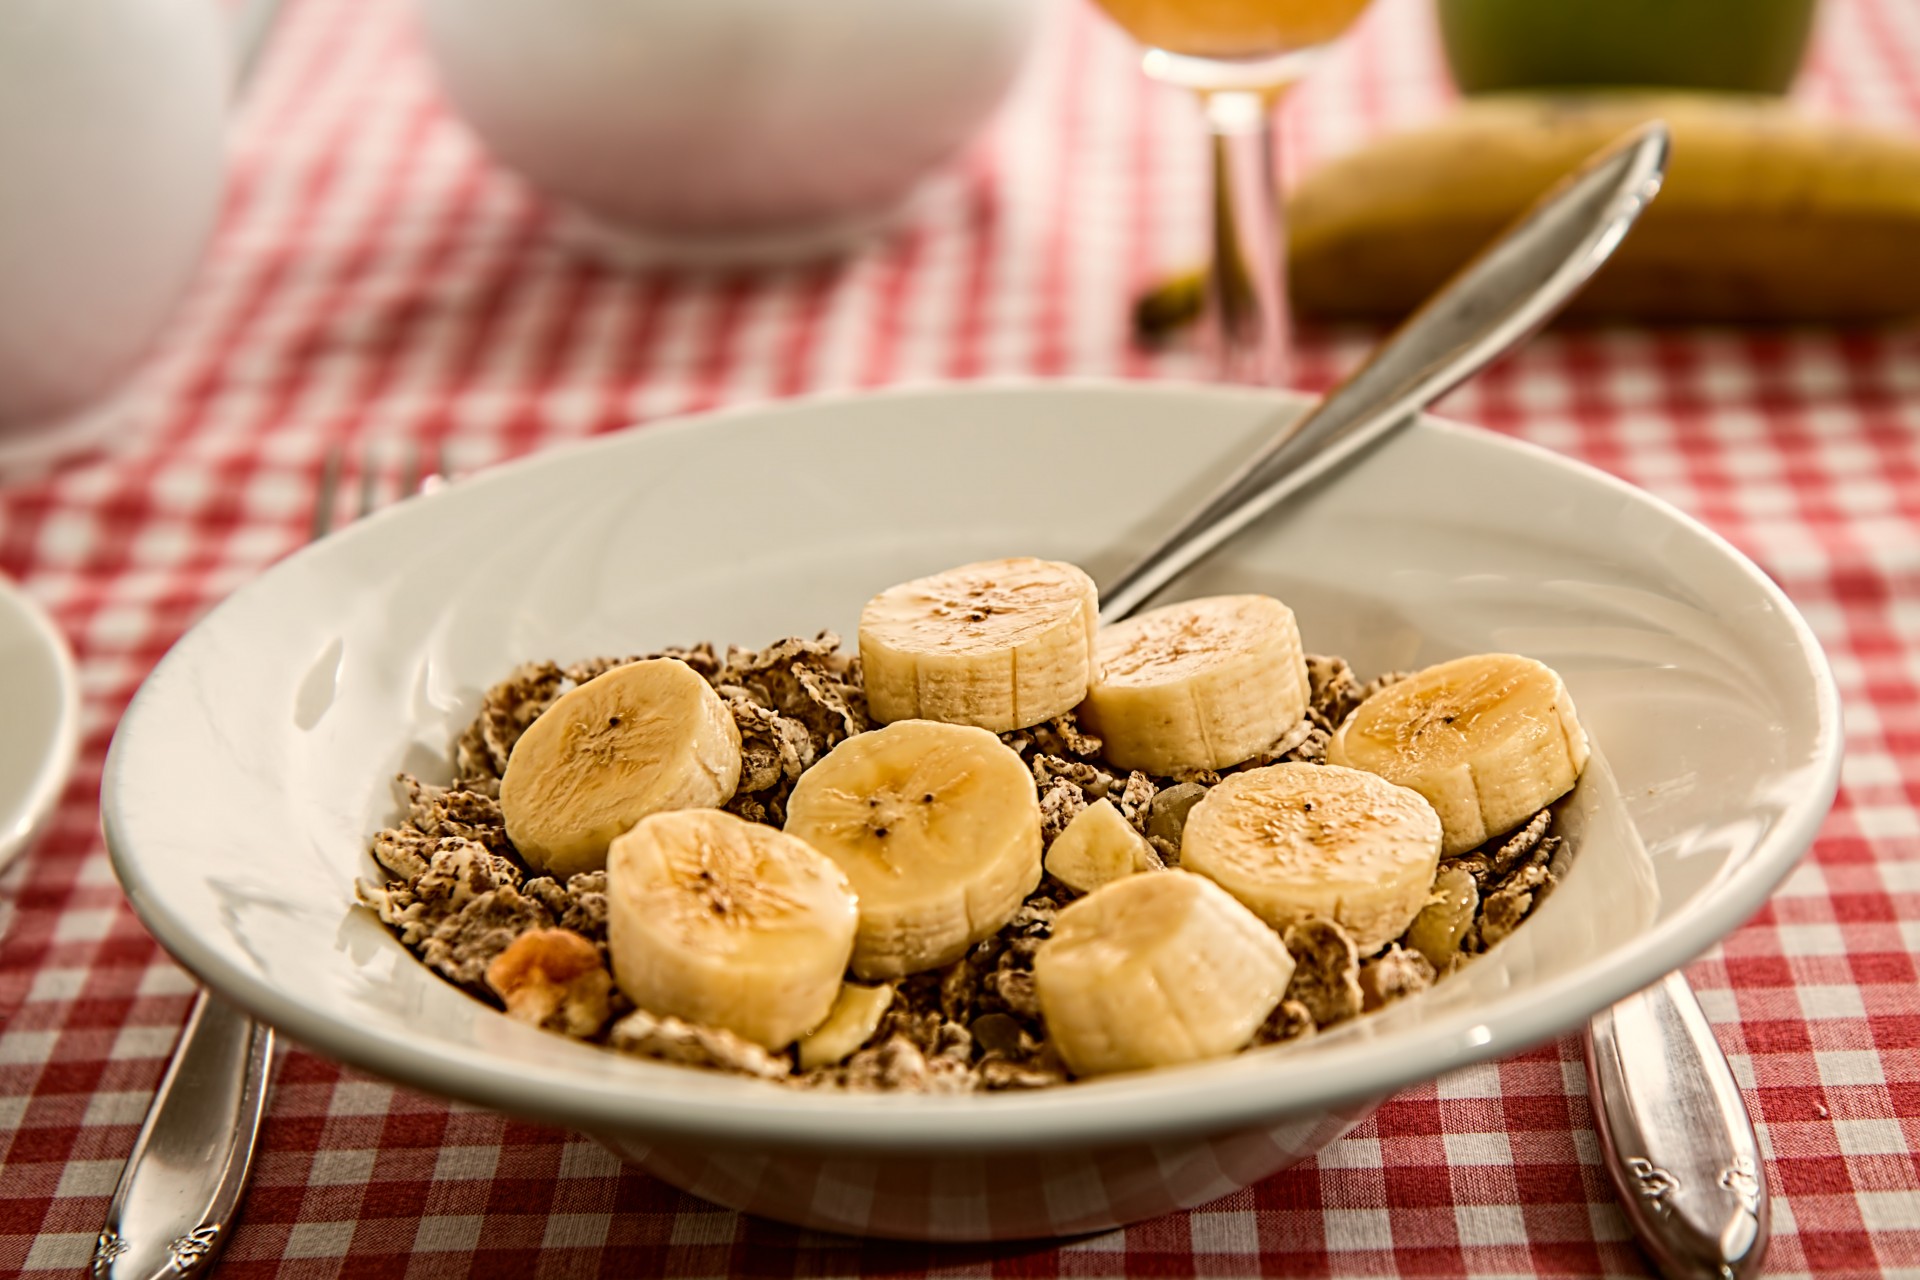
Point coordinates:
[[734, 130], [256, 760]]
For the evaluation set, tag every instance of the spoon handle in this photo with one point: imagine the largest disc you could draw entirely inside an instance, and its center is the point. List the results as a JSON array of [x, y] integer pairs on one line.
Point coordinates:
[[1677, 1138], [1514, 286], [174, 1206]]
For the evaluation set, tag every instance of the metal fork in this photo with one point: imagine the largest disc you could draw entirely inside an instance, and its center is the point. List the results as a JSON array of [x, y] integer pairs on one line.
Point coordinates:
[[174, 1206]]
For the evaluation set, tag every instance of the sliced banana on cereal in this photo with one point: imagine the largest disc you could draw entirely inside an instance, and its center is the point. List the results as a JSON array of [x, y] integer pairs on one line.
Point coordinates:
[[854, 1018], [1197, 685], [728, 924], [1487, 739], [1156, 970], [1299, 841], [1001, 644], [938, 828], [640, 739], [1098, 847]]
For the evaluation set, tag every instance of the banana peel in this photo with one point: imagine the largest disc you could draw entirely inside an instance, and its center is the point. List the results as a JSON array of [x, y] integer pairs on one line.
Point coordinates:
[[1768, 215]]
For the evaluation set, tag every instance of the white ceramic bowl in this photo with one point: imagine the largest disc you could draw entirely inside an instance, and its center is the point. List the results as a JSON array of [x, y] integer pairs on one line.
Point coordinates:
[[256, 760], [726, 129]]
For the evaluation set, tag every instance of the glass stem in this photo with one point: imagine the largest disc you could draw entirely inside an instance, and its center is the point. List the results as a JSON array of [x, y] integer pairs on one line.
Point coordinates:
[[1247, 284]]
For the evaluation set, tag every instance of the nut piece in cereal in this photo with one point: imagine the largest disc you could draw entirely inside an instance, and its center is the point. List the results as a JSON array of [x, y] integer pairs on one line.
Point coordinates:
[[639, 739], [1298, 841], [938, 828], [1202, 684], [1155, 970], [1098, 847], [553, 978], [1000, 645], [726, 923], [855, 1017], [1488, 739]]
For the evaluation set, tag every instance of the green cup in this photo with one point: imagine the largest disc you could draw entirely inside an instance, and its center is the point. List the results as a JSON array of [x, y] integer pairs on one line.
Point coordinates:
[[1747, 46]]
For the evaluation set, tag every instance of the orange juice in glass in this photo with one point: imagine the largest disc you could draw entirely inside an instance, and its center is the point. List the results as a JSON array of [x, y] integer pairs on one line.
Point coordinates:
[[1240, 56], [1236, 29]]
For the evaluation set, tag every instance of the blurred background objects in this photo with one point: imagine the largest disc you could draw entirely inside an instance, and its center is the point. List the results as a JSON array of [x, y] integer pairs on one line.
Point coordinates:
[[726, 131], [377, 279], [112, 140], [1739, 46]]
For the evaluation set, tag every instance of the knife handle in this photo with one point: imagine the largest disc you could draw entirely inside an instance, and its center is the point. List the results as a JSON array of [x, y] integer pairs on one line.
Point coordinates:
[[1676, 1136], [174, 1206]]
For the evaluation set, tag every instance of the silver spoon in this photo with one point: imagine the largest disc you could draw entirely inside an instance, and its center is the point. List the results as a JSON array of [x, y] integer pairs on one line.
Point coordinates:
[[1679, 1145], [1496, 302]]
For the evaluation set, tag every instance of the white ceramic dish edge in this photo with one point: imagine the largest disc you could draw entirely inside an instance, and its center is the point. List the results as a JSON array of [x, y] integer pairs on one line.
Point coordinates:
[[61, 744], [1091, 1112]]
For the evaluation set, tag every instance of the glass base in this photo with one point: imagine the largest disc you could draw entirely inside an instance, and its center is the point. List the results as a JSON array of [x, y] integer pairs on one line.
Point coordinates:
[[1216, 75]]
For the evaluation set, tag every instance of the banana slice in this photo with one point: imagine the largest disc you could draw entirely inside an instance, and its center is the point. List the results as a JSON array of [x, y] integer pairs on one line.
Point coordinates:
[[1487, 739], [1098, 847], [1197, 685], [728, 924], [1294, 841], [642, 738], [1150, 971], [1002, 644], [938, 828], [855, 1017]]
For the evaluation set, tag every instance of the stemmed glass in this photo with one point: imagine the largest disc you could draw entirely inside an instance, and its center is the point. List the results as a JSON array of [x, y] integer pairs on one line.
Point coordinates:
[[1240, 57]]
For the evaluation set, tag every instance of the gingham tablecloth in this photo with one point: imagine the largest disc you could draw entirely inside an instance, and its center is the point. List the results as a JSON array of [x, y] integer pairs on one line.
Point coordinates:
[[377, 280]]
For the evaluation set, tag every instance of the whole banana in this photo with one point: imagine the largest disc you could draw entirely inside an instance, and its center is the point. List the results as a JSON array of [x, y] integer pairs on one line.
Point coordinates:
[[1767, 214]]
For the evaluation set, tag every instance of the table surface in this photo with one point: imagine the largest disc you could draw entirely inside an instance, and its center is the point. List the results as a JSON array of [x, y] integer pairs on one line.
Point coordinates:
[[376, 280]]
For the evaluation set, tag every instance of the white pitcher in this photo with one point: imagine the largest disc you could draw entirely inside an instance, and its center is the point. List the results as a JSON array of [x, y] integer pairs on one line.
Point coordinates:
[[112, 117]]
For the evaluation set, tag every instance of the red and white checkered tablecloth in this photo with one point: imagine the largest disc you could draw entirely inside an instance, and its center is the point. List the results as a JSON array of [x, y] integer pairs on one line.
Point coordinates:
[[376, 279]]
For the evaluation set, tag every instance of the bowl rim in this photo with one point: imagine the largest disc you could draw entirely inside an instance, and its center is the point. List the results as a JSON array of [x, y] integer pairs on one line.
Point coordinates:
[[1098, 1112], [63, 747]]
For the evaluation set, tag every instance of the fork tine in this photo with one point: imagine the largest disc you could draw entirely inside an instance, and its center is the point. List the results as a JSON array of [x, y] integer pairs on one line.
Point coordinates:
[[437, 471], [410, 470], [325, 497], [369, 487]]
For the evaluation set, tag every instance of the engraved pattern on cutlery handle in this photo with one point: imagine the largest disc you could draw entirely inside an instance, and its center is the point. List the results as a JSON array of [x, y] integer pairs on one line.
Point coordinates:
[[1676, 1135], [184, 1255], [105, 1250], [1652, 1183], [182, 1184], [194, 1248]]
